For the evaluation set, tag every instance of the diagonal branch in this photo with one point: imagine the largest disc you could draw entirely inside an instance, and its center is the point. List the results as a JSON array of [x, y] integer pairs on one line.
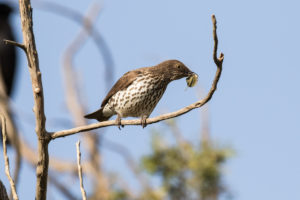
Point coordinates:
[[198, 104], [82, 20]]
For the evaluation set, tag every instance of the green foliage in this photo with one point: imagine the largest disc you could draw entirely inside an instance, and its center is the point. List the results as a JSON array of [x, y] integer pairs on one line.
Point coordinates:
[[119, 195], [187, 172]]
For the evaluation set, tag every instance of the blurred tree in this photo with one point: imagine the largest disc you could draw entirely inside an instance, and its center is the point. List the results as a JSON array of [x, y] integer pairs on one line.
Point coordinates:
[[187, 171]]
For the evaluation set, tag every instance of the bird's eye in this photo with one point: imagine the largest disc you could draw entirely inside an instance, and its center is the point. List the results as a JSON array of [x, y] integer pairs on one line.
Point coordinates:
[[178, 66]]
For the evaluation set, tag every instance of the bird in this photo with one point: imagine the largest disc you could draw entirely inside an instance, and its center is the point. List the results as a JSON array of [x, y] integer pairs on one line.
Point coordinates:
[[8, 65], [138, 91], [7, 52]]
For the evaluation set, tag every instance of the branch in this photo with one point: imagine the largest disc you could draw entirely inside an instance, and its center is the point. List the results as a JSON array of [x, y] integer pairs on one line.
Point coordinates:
[[11, 129], [198, 104], [10, 42], [80, 19], [12, 184], [38, 96], [80, 170]]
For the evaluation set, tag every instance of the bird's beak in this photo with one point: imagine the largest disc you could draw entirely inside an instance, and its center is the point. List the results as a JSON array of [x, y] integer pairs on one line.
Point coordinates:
[[191, 74]]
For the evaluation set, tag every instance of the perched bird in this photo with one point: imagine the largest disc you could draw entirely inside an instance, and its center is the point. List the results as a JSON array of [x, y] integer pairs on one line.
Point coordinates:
[[138, 91], [7, 52]]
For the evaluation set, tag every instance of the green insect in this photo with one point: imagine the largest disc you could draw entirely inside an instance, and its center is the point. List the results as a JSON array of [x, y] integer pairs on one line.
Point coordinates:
[[192, 80]]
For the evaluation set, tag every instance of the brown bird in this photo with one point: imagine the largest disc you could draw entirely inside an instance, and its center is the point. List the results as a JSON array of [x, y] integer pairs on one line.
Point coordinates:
[[138, 91]]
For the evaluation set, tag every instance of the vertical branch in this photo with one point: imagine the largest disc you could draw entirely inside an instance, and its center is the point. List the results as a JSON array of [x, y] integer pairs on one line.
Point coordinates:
[[218, 61], [12, 184], [37, 87], [80, 170]]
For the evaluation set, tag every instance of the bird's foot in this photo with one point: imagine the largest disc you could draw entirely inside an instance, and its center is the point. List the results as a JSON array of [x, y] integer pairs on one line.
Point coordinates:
[[143, 121], [118, 122]]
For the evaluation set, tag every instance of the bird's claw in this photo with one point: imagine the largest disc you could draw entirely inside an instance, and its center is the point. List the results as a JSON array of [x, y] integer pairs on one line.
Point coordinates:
[[118, 122], [143, 121]]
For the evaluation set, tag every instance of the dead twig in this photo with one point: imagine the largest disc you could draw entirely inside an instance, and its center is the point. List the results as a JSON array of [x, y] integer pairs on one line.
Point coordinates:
[[80, 170], [6, 160], [198, 104], [11, 129], [15, 44]]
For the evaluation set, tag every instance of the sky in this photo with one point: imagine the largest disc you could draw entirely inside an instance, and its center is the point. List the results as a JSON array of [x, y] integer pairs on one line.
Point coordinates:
[[255, 109]]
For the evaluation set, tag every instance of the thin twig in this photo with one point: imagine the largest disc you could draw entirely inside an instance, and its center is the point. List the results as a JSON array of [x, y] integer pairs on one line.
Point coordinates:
[[80, 170], [10, 42], [11, 129], [6, 160], [198, 104], [218, 61]]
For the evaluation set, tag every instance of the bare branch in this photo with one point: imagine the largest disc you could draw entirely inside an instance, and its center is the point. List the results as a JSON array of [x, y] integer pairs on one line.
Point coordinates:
[[198, 104], [10, 42], [6, 160], [80, 19], [37, 87], [218, 61], [80, 170]]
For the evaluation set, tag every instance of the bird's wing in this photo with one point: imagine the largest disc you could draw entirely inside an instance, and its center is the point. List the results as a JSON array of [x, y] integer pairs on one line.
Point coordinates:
[[122, 84]]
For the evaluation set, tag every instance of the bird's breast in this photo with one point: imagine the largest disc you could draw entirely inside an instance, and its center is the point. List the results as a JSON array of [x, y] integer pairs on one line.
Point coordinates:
[[140, 98]]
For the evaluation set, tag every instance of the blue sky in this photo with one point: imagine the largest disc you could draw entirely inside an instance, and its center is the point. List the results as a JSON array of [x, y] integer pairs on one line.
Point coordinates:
[[255, 109]]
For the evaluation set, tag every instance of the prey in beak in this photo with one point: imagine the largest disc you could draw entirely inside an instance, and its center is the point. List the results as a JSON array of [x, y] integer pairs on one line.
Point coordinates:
[[192, 79]]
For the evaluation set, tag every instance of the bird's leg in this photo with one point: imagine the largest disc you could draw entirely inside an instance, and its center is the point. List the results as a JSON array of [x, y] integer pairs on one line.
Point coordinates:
[[143, 121], [118, 121]]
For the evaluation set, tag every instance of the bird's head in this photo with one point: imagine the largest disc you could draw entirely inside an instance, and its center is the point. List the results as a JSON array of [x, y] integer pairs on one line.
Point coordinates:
[[175, 69]]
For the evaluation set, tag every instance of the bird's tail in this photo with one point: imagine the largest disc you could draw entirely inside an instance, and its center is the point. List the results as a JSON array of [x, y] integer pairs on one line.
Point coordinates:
[[98, 115]]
